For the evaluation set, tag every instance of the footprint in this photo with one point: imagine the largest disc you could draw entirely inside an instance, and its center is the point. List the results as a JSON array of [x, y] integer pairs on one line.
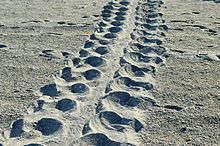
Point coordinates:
[[122, 9], [145, 68], [65, 105], [108, 7], [117, 23], [50, 90], [95, 61], [113, 121], [106, 15], [115, 29], [83, 53], [67, 74], [93, 37], [92, 74], [79, 88], [144, 40], [131, 70], [77, 62], [103, 24], [89, 44], [127, 83], [126, 100], [123, 98], [110, 36], [48, 126], [99, 139], [39, 106], [17, 128], [120, 18], [104, 42], [120, 13], [102, 50], [154, 15], [136, 47], [139, 58], [116, 122], [125, 3]]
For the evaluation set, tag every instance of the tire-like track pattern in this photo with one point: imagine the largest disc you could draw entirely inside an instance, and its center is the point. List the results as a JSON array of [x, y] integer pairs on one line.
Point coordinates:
[[55, 117], [120, 112]]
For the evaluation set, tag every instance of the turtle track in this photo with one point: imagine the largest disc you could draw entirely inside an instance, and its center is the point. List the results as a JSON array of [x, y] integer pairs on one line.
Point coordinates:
[[120, 112], [57, 116]]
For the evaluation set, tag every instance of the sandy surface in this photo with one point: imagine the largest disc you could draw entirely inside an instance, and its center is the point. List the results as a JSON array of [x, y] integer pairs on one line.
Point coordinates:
[[146, 78]]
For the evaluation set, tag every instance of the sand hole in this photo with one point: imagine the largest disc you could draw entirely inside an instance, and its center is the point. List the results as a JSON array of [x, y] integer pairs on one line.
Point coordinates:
[[134, 84], [137, 125], [104, 42], [113, 118], [102, 50], [88, 44], [106, 15], [86, 128], [65, 105], [145, 40], [94, 61], [106, 19], [50, 90], [123, 98], [110, 35], [125, 3], [117, 23], [76, 61], [150, 27], [158, 60], [40, 104], [93, 37], [79, 88], [48, 126], [92, 74], [120, 13], [99, 139], [67, 73], [103, 24], [132, 70], [115, 29], [138, 57], [159, 50], [154, 15], [83, 53], [120, 18], [123, 9], [108, 7], [17, 128], [163, 27]]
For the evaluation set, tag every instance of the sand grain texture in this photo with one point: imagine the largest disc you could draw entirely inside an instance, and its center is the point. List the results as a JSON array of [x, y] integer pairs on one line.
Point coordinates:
[[136, 72]]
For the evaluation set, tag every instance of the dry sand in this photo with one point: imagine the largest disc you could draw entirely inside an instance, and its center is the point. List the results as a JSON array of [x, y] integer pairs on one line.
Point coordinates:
[[108, 73]]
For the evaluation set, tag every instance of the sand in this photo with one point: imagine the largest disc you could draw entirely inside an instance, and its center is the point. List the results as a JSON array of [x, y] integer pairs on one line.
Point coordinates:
[[107, 73]]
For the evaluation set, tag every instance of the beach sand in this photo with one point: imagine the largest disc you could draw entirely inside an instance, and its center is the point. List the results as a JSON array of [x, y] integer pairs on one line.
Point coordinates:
[[108, 73]]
